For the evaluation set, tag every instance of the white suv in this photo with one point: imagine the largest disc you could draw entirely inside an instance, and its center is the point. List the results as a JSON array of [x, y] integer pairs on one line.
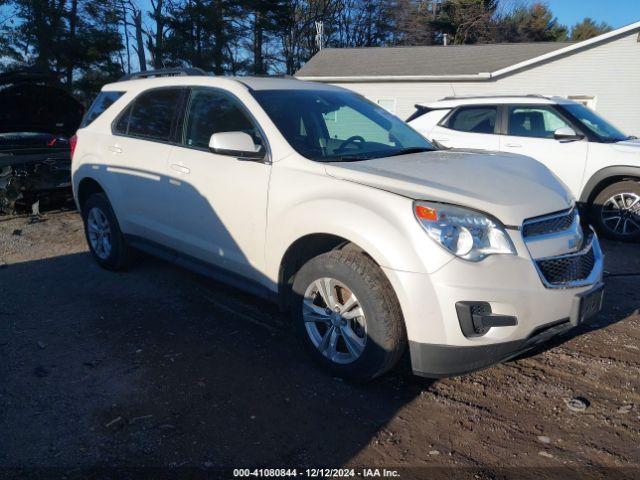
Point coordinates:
[[599, 164], [312, 196]]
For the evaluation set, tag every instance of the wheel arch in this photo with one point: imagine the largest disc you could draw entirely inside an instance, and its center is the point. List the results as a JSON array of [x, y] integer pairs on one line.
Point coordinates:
[[605, 177], [87, 187], [304, 249]]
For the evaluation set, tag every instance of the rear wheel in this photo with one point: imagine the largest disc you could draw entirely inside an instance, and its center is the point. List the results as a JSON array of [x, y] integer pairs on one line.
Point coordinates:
[[616, 211], [347, 315], [106, 242]]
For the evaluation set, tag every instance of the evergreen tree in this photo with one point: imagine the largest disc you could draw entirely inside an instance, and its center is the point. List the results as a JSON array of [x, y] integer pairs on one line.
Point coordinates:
[[587, 29], [531, 24]]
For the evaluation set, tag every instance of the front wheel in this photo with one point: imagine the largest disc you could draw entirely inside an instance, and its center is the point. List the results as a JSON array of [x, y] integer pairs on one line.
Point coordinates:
[[616, 211], [348, 316]]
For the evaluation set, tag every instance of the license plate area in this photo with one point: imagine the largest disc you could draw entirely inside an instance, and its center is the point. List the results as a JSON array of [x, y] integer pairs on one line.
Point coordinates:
[[587, 305]]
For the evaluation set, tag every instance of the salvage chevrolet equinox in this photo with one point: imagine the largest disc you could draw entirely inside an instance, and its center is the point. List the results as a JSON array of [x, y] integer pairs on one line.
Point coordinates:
[[312, 196]]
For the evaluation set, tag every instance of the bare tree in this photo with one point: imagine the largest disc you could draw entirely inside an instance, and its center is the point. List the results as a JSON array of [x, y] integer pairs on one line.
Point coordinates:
[[156, 33], [131, 18]]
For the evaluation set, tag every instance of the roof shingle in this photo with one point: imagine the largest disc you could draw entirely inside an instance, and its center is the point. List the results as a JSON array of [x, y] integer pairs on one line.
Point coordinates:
[[428, 60]]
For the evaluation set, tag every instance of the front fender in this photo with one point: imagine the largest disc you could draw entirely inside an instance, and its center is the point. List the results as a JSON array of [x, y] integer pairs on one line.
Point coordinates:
[[379, 222]]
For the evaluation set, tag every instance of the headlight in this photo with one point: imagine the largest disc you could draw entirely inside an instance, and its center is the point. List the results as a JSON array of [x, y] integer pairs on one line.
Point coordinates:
[[466, 233]]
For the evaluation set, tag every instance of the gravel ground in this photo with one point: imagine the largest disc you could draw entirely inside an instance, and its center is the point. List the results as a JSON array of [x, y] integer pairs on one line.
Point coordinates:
[[158, 367]]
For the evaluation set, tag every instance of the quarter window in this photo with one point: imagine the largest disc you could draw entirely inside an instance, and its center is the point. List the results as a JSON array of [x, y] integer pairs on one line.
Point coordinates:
[[212, 112], [151, 115], [481, 119], [535, 121], [103, 101]]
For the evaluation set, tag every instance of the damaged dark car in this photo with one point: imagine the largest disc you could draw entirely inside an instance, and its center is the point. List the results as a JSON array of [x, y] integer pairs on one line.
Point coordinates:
[[37, 120]]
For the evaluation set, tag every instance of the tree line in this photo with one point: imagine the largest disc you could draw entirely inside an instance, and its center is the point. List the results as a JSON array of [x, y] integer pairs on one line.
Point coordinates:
[[89, 42]]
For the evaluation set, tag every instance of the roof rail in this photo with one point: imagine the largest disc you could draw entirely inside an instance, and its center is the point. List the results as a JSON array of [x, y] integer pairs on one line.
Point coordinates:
[[164, 72], [466, 97], [271, 75]]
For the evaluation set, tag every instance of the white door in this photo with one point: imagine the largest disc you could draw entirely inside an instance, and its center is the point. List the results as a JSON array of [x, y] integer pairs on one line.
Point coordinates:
[[220, 202], [469, 127], [530, 131], [137, 171]]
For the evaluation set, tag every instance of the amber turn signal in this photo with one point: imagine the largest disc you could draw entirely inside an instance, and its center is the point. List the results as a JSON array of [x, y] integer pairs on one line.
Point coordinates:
[[426, 213]]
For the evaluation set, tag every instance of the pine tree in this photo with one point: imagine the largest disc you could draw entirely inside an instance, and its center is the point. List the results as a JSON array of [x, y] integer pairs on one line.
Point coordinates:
[[587, 29]]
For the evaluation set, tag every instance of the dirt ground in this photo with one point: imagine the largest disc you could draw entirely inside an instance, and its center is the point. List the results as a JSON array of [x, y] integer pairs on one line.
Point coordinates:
[[158, 367]]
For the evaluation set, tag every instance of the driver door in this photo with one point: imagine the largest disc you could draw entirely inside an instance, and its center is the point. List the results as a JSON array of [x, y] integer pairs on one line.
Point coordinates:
[[530, 131]]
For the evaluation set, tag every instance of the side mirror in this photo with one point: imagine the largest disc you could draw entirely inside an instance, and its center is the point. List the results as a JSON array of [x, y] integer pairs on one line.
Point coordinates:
[[235, 144], [566, 134]]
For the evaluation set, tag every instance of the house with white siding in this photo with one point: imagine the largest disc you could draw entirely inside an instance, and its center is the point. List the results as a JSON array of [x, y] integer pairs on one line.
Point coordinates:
[[602, 72]]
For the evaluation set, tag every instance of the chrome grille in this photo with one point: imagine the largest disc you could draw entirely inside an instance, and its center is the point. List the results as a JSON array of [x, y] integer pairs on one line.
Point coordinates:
[[573, 269], [548, 224]]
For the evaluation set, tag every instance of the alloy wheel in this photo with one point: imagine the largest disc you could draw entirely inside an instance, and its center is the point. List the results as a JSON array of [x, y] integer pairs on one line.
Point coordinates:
[[621, 213], [99, 233], [334, 320]]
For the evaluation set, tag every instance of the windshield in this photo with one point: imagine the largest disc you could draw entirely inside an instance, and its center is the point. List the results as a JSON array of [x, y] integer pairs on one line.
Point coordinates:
[[326, 126], [595, 123]]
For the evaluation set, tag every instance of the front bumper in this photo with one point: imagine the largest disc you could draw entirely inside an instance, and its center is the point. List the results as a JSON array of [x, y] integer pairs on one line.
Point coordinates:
[[510, 284], [436, 361]]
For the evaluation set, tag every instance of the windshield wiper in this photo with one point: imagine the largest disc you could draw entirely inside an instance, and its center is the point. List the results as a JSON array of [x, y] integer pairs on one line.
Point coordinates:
[[407, 151], [372, 155], [618, 140], [351, 158], [345, 158]]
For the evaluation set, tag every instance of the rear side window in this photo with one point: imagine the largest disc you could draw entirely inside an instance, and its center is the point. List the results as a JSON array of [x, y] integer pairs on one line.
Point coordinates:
[[210, 112], [481, 119], [151, 115], [103, 101]]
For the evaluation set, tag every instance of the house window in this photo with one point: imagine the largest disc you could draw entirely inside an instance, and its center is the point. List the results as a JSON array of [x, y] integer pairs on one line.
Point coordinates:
[[389, 104], [588, 101]]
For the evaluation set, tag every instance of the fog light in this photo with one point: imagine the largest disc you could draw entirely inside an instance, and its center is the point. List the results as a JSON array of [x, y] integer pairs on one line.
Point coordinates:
[[476, 318]]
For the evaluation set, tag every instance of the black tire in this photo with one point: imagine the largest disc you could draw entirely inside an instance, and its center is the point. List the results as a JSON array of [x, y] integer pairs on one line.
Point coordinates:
[[606, 229], [120, 254], [385, 330]]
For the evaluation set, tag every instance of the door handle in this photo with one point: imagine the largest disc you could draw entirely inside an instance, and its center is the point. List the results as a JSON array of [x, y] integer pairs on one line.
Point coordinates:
[[441, 139], [180, 168], [513, 145], [115, 148]]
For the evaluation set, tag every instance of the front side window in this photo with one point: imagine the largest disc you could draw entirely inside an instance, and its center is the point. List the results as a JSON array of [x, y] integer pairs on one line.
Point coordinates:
[[534, 121], [103, 101], [151, 115], [480, 119], [595, 123], [210, 112], [333, 125]]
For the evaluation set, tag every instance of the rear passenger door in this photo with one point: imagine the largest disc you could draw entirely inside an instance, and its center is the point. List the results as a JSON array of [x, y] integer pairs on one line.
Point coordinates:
[[469, 127], [530, 131], [143, 135]]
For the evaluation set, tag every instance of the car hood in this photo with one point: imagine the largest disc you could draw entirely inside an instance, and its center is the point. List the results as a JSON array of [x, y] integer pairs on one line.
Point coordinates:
[[509, 187], [632, 146]]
